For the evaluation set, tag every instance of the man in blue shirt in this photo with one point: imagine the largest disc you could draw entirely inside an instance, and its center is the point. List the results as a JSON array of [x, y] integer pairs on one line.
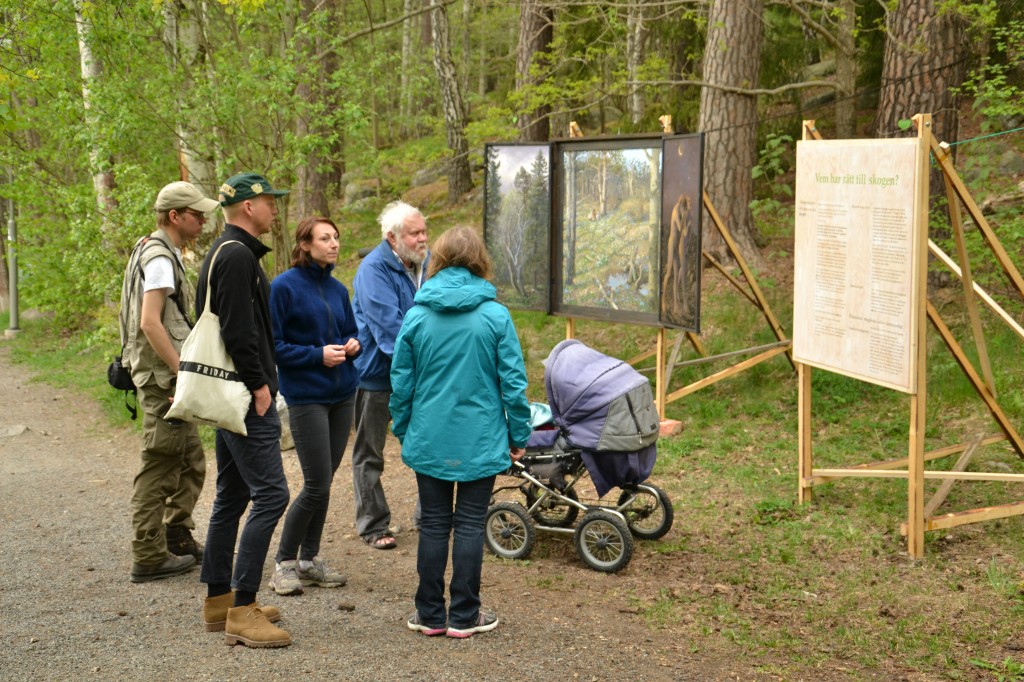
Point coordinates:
[[384, 287]]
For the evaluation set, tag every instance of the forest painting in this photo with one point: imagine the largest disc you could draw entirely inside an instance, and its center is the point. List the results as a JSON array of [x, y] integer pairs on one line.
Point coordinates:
[[517, 199], [682, 184], [609, 205]]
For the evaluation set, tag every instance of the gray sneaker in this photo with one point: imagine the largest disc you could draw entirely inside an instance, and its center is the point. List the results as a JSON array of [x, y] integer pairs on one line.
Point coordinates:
[[320, 574], [286, 579]]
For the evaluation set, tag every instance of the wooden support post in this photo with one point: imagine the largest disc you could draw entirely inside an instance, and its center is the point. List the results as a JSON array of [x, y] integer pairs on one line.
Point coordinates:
[[968, 282], [972, 208], [803, 379], [570, 328], [918, 399], [745, 269], [985, 297], [976, 381], [659, 382], [940, 495]]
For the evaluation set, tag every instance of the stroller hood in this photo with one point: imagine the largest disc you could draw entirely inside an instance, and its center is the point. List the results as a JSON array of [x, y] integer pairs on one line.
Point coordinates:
[[601, 403]]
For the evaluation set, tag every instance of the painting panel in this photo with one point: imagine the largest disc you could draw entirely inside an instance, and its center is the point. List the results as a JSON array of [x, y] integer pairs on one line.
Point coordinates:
[[682, 192], [608, 232], [517, 222]]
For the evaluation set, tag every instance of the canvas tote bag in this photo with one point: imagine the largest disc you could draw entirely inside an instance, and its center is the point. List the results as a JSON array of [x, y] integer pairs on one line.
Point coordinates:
[[209, 390]]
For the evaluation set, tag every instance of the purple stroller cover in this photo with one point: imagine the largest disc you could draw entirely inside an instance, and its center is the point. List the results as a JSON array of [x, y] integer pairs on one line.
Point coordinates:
[[582, 384]]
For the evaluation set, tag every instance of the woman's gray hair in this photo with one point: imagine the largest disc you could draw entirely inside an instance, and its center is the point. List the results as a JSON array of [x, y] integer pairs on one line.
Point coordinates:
[[392, 218]]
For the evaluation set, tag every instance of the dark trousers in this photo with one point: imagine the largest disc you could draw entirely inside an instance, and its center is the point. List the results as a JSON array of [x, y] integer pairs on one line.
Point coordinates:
[[321, 434], [249, 469], [373, 516], [460, 507]]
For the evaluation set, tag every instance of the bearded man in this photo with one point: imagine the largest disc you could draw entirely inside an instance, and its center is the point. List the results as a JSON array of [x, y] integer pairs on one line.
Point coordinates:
[[384, 287]]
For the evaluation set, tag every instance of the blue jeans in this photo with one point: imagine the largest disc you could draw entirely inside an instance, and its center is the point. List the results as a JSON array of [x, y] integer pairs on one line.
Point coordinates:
[[469, 499], [248, 469], [321, 434]]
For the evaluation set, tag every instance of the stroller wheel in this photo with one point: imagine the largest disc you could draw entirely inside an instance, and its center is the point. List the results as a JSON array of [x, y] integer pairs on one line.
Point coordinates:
[[603, 542], [508, 531], [551, 511], [648, 511]]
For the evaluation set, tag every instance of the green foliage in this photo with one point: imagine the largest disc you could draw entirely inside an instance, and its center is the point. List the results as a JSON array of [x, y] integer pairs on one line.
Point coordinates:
[[995, 86], [771, 187]]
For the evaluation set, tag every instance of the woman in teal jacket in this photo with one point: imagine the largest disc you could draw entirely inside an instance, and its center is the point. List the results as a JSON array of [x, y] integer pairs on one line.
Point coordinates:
[[459, 408]]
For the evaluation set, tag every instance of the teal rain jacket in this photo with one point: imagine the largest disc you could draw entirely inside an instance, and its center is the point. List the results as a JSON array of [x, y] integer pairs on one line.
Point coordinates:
[[458, 381]]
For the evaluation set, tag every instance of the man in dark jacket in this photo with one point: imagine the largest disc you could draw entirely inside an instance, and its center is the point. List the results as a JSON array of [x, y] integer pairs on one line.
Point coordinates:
[[384, 287], [249, 467]]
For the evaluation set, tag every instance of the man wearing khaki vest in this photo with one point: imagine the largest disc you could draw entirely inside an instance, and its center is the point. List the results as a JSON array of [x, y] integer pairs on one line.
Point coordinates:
[[157, 295]]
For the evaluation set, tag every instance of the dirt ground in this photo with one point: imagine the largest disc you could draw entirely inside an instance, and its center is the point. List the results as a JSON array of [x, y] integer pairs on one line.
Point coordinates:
[[70, 611]]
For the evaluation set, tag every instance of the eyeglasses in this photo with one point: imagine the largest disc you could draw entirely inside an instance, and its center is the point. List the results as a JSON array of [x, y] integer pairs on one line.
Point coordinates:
[[201, 217]]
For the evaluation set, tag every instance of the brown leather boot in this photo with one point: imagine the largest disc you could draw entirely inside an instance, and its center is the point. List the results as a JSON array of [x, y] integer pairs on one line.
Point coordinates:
[[249, 626], [215, 612], [181, 542]]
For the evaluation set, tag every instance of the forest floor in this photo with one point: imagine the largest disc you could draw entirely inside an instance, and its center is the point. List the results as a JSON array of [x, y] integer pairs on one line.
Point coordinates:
[[70, 611]]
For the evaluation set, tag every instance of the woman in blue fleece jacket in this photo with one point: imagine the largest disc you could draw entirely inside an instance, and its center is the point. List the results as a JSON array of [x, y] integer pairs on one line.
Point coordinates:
[[458, 405], [315, 342]]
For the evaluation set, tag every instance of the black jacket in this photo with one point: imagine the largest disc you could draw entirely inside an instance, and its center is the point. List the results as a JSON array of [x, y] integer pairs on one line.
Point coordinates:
[[241, 292]]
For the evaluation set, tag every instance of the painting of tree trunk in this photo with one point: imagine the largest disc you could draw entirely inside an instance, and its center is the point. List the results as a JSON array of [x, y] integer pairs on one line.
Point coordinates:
[[682, 179]]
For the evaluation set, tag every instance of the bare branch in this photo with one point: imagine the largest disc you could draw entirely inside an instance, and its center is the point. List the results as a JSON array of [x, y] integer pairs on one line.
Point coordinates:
[[743, 91], [388, 24]]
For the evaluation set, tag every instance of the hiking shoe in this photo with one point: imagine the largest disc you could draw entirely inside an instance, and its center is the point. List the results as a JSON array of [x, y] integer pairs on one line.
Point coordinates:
[[416, 626], [172, 565], [248, 625], [215, 611], [286, 580], [320, 574], [181, 542], [485, 622]]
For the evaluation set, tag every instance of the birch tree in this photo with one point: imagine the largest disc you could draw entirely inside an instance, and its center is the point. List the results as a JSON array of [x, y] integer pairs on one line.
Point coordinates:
[[183, 33], [100, 164], [460, 180]]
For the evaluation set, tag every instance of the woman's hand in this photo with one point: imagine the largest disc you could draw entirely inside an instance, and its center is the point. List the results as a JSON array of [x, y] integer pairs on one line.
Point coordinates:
[[516, 453], [352, 346], [334, 355]]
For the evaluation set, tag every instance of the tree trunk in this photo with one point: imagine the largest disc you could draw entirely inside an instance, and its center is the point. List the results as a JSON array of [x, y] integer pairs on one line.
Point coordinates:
[[925, 56], [732, 57], [636, 36], [536, 31], [405, 96], [459, 179], [846, 70], [183, 41], [467, 14], [100, 162], [312, 176]]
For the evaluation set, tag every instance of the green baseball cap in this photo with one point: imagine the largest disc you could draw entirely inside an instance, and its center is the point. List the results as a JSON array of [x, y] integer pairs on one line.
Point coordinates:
[[246, 186]]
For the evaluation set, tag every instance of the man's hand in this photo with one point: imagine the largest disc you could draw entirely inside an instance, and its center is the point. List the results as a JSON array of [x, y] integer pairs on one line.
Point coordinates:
[[261, 396], [516, 453]]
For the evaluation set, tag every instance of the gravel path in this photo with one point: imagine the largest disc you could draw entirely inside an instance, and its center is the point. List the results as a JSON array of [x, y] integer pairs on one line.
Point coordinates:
[[70, 613]]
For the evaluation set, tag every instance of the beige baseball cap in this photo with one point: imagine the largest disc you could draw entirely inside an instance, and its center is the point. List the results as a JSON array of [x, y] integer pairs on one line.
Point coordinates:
[[178, 195]]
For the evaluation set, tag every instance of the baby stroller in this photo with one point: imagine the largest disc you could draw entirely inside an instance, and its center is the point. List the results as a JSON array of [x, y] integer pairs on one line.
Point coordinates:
[[603, 423]]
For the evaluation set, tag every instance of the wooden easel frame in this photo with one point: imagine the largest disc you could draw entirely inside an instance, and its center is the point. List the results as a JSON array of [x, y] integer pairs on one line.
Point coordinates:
[[921, 516], [751, 291]]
